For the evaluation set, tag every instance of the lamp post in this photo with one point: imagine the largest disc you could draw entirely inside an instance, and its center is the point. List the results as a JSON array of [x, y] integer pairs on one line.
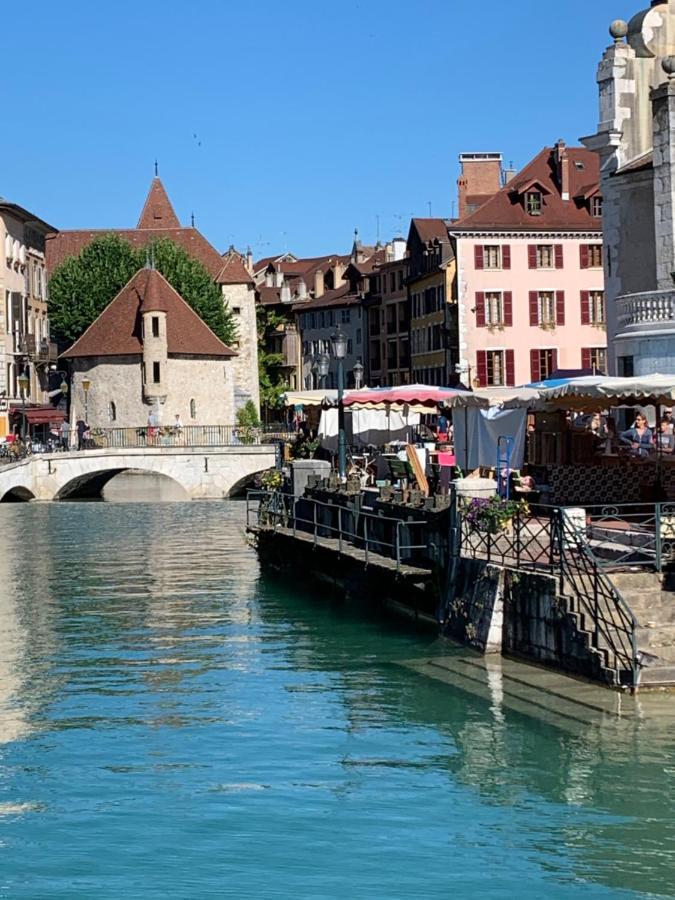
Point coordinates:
[[339, 342], [358, 374], [323, 367], [86, 384], [23, 381]]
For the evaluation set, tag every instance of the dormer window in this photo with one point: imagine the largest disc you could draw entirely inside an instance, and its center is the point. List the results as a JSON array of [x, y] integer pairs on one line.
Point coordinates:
[[533, 203], [596, 207]]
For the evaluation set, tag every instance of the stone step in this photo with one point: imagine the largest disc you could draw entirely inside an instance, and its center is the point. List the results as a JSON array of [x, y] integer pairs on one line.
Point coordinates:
[[641, 580], [658, 676], [652, 638]]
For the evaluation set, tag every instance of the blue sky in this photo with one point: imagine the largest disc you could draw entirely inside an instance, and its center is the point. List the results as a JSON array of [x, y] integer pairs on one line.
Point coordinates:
[[310, 118]]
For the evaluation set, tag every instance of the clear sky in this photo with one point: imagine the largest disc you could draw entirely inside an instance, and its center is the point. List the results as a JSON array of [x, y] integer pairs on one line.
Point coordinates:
[[285, 125]]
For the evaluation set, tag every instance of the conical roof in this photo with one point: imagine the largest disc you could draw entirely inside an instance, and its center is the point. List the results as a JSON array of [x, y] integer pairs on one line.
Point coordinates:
[[117, 331], [158, 211]]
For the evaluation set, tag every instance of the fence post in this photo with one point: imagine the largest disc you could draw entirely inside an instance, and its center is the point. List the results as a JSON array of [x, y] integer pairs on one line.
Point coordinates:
[[314, 508], [365, 535], [516, 524], [658, 543], [339, 529], [295, 526], [398, 547], [596, 610]]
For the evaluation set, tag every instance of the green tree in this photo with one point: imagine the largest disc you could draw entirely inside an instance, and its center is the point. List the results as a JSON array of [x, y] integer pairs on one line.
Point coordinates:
[[81, 288], [273, 381]]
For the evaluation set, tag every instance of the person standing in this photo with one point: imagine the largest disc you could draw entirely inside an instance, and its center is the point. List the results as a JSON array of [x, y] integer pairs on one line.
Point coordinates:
[[639, 437], [81, 427], [65, 435]]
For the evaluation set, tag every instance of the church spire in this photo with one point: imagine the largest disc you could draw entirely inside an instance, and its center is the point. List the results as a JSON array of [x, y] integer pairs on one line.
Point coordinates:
[[158, 211]]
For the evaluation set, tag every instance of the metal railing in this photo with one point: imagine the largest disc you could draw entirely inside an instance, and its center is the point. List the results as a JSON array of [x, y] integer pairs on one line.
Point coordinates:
[[274, 510], [187, 436], [528, 541], [613, 626], [630, 534]]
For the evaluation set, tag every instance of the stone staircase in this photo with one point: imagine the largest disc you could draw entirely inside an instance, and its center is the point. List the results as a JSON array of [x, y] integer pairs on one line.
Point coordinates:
[[654, 608]]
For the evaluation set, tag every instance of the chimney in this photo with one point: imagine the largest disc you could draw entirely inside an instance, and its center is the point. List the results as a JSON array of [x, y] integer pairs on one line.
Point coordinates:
[[509, 174], [481, 178], [269, 280], [400, 245], [278, 279], [318, 283], [285, 296], [388, 252], [339, 271], [302, 290], [562, 161], [249, 261]]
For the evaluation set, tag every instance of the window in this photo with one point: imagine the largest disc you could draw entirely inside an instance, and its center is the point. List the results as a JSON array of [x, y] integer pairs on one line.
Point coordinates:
[[112, 411], [350, 347], [543, 363], [595, 358], [547, 308], [155, 326], [358, 335], [236, 310], [193, 409], [156, 373], [596, 207], [392, 281], [495, 368], [533, 203], [625, 366], [492, 257], [345, 316], [545, 256], [494, 308], [592, 307], [590, 256], [400, 280], [143, 373]]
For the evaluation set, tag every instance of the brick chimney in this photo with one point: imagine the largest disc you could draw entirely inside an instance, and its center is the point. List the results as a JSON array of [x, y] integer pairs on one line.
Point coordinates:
[[481, 178], [562, 162]]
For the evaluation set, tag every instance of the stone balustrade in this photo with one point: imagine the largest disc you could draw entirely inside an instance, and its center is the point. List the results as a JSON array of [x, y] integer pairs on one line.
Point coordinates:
[[651, 308]]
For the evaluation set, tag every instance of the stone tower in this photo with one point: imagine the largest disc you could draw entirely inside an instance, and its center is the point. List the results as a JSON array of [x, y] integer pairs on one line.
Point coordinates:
[[155, 343], [636, 144]]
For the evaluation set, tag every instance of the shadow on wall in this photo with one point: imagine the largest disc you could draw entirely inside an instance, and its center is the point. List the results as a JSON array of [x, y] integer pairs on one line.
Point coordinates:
[[18, 495]]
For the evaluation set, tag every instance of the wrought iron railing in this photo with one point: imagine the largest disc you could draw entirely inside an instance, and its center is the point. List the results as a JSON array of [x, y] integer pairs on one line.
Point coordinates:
[[360, 529], [630, 534], [526, 542], [188, 436], [591, 594]]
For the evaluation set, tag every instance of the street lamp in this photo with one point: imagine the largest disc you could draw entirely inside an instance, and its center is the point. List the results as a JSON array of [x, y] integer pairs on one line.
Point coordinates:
[[358, 374], [23, 381], [86, 384], [323, 367], [339, 342]]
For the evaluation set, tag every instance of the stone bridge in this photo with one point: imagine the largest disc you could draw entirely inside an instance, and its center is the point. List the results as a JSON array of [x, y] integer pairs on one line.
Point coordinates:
[[207, 474]]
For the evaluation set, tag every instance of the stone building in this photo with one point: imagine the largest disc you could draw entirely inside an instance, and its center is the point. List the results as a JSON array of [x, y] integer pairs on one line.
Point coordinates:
[[148, 351], [529, 274], [387, 358], [25, 345], [159, 220], [636, 144]]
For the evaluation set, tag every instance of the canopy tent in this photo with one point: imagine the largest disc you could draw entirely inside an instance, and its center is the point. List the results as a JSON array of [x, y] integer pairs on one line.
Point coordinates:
[[496, 397], [310, 398], [477, 435], [599, 391], [365, 426], [422, 396]]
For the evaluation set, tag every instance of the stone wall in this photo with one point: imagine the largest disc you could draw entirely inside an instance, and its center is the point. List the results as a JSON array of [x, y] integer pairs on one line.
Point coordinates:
[[240, 298], [118, 380]]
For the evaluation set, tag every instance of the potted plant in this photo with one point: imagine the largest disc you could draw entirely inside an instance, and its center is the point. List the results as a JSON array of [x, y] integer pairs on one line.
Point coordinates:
[[494, 515]]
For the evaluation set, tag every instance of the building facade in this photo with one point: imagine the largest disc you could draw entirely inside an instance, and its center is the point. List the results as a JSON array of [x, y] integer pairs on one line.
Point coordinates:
[[25, 345], [149, 352], [387, 359], [635, 141], [530, 274], [433, 307]]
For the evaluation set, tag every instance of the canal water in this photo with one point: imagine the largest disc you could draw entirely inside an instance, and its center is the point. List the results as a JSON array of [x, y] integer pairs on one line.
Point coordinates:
[[173, 724]]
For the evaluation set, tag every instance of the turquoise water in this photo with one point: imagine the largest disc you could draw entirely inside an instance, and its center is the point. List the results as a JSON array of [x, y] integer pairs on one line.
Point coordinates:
[[172, 724]]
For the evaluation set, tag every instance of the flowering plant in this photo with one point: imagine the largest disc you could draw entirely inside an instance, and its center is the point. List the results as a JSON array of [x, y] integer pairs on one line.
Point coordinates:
[[494, 514], [271, 480]]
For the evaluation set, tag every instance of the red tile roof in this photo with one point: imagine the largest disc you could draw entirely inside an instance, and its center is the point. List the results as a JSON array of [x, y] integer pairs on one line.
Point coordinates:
[[117, 331], [339, 297], [158, 211], [431, 229], [234, 270], [71, 243], [505, 210]]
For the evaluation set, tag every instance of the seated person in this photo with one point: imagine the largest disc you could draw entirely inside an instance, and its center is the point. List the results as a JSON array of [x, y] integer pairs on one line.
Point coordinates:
[[639, 438], [664, 438]]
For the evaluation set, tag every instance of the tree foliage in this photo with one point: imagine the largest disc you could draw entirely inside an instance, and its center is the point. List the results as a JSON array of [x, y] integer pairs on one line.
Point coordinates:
[[273, 383], [82, 287]]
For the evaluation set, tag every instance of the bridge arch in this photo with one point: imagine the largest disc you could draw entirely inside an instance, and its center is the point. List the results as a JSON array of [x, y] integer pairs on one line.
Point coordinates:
[[91, 485], [240, 487], [17, 494]]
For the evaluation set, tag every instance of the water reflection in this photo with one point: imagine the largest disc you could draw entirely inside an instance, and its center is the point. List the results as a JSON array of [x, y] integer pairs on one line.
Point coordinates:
[[156, 693]]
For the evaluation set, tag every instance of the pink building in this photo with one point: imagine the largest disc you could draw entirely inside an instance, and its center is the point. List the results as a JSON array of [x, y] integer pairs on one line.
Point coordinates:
[[530, 281]]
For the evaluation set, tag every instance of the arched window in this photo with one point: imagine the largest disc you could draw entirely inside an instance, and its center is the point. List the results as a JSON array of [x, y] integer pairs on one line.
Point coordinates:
[[193, 409], [112, 411]]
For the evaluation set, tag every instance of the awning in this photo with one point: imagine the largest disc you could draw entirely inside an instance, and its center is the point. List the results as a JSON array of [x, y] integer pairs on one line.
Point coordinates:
[[601, 392], [40, 415], [416, 395]]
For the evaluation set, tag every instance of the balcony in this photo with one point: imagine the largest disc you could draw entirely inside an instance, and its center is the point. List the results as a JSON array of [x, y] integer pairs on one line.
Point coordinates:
[[651, 311], [37, 351]]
